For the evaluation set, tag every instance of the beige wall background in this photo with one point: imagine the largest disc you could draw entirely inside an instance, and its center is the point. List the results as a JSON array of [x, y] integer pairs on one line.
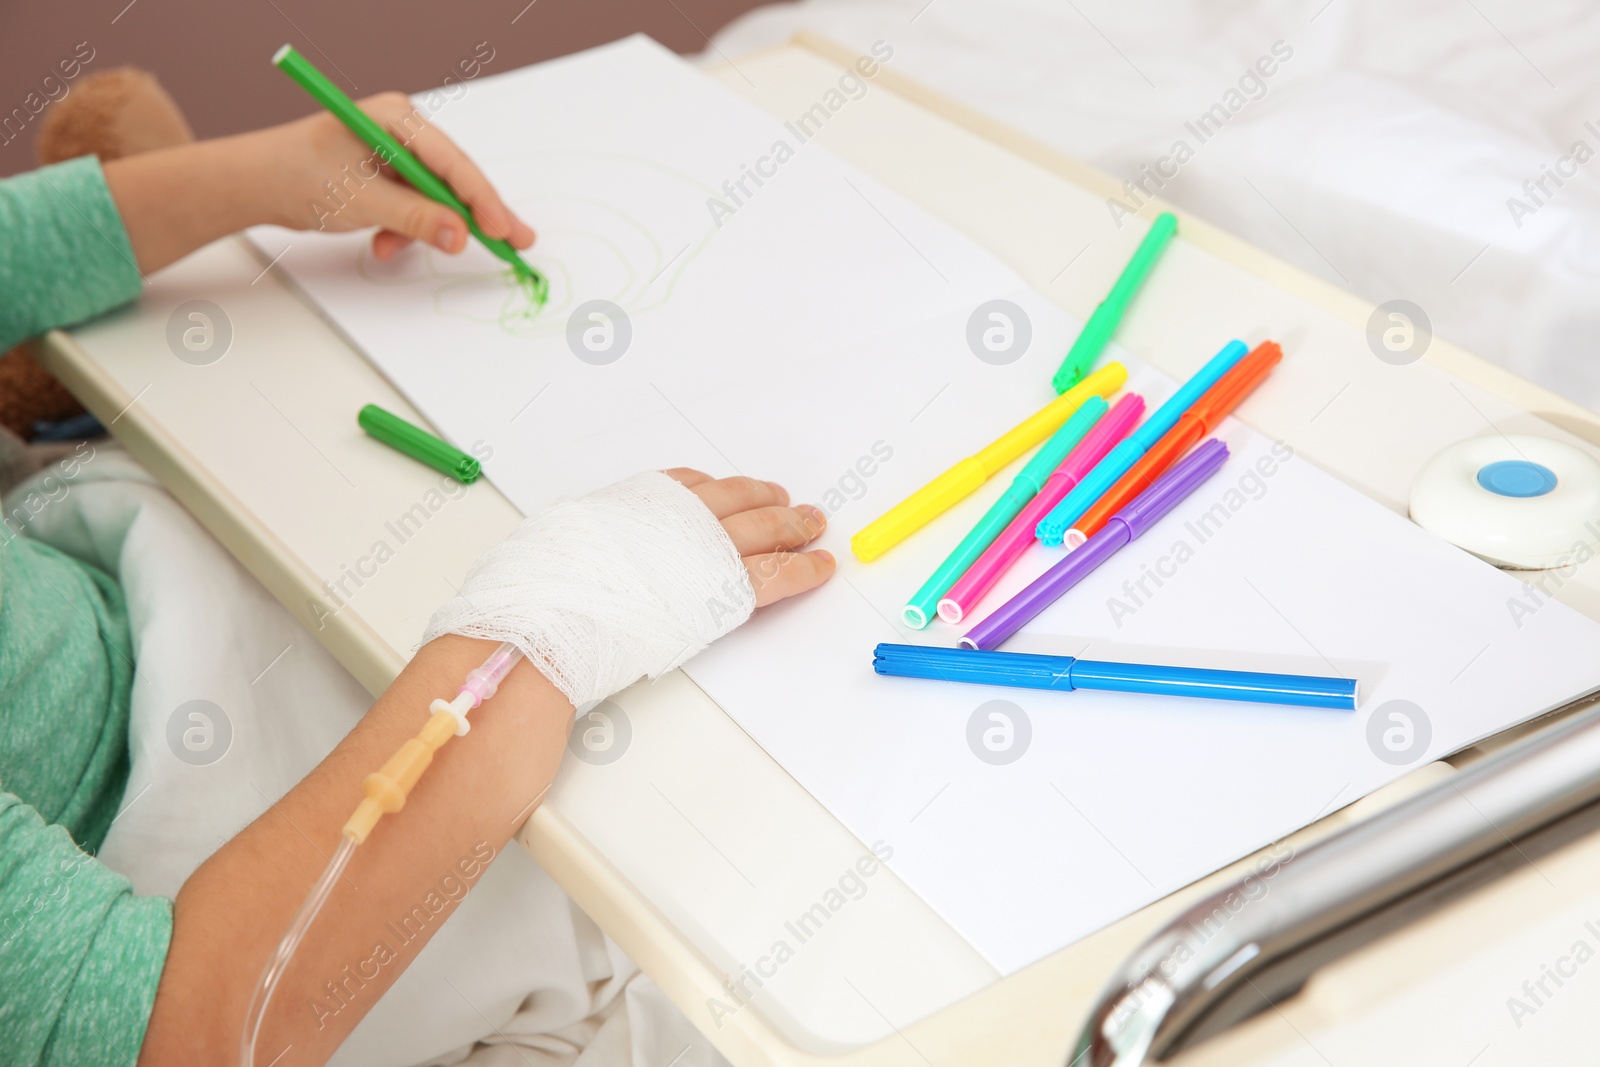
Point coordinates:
[[213, 57]]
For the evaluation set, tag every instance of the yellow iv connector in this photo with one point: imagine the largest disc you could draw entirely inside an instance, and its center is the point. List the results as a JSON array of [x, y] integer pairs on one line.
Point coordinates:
[[386, 790]]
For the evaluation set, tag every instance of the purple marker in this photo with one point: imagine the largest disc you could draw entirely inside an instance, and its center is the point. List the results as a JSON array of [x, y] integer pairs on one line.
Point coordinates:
[[1142, 512]]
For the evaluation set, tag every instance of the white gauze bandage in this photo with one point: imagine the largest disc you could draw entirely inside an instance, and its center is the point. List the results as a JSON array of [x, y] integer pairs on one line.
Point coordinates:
[[598, 591]]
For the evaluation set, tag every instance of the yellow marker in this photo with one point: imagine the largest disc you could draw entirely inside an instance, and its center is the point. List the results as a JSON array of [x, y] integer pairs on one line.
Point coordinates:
[[955, 484]]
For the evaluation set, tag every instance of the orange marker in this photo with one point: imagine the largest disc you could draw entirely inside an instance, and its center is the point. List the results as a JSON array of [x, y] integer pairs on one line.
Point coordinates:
[[1212, 407]]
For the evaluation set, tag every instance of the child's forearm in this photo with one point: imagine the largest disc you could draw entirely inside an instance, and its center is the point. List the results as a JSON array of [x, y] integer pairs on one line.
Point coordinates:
[[231, 913], [175, 200]]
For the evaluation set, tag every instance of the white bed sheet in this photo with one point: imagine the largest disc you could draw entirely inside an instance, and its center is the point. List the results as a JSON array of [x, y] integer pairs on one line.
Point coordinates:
[[1381, 155]]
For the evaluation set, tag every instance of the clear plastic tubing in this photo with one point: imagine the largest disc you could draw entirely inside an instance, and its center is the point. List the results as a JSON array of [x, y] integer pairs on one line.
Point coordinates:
[[481, 683]]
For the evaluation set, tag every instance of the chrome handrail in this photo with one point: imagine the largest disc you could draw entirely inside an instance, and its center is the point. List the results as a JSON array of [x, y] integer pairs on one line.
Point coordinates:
[[1211, 951]]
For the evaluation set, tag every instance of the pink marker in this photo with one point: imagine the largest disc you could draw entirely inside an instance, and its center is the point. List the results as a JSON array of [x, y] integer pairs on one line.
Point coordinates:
[[1016, 537]]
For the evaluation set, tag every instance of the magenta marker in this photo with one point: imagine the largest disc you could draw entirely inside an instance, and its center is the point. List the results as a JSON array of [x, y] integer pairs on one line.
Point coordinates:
[[1142, 512], [1015, 539]]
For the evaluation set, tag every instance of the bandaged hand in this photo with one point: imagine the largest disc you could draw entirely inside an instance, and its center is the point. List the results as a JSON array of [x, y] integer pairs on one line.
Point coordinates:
[[631, 580]]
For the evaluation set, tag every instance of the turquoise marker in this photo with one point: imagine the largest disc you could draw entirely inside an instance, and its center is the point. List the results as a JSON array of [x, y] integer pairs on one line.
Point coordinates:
[[1023, 489], [1054, 526]]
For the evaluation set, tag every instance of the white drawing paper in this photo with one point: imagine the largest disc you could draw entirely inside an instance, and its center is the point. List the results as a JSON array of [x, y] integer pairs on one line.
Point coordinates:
[[815, 329]]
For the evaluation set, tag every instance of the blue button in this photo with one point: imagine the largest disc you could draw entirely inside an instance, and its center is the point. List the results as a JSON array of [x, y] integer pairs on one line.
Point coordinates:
[[1517, 477]]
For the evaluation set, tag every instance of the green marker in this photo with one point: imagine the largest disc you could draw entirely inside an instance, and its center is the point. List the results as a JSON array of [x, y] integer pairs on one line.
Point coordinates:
[[1103, 323], [408, 166], [419, 444], [920, 610]]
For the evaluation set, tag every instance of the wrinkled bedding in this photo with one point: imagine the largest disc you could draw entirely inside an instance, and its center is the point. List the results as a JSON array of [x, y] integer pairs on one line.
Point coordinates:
[[1397, 151]]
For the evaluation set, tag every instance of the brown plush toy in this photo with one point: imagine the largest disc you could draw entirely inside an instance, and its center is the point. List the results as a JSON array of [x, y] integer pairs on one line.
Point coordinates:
[[112, 114]]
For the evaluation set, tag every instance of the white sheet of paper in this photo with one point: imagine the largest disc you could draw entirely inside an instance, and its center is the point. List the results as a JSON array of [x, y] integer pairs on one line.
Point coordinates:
[[818, 336]]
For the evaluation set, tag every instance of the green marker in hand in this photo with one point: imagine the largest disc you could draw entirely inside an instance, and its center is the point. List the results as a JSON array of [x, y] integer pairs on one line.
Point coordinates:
[[408, 166]]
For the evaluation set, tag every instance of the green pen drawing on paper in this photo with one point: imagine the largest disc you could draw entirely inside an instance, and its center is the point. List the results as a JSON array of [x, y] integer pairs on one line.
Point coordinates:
[[588, 247]]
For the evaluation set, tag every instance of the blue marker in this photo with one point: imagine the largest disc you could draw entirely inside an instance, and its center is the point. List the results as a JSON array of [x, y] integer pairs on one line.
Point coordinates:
[[1054, 526], [1065, 673]]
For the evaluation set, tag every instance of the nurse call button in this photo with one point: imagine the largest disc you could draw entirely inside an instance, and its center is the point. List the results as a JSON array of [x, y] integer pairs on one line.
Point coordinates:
[[1517, 478]]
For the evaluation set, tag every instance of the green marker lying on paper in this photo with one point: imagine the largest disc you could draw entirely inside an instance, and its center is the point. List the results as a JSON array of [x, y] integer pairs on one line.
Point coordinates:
[[408, 166]]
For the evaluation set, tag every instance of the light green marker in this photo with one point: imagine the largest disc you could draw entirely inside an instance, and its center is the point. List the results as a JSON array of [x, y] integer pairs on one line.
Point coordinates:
[[408, 166], [1024, 488], [1103, 323]]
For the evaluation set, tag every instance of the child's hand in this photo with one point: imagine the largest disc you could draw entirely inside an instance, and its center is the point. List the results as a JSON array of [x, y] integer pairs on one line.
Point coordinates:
[[312, 174], [326, 178], [766, 531]]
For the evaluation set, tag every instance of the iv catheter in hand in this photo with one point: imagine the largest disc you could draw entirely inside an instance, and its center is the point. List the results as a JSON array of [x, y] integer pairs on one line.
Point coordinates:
[[386, 793]]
